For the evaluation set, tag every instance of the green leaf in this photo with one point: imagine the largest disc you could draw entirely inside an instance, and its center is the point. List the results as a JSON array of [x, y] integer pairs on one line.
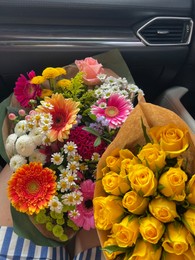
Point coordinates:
[[97, 141], [114, 248], [145, 132], [91, 131]]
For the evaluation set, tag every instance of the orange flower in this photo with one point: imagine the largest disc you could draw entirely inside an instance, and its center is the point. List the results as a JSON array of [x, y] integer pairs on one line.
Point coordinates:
[[64, 112], [31, 187]]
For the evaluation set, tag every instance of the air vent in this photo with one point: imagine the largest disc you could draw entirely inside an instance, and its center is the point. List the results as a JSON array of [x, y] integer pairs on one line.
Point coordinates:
[[166, 31]]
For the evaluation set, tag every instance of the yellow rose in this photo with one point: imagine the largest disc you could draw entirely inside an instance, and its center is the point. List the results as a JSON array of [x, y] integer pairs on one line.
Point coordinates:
[[110, 242], [172, 139], [189, 220], [114, 163], [126, 232], [142, 180], [177, 239], [172, 184], [107, 211], [153, 156], [188, 255], [115, 184], [151, 229], [145, 251], [126, 153], [190, 188], [134, 203], [162, 209]]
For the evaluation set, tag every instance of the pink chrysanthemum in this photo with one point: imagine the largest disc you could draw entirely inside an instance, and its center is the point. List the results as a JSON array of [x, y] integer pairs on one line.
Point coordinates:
[[85, 209], [85, 142], [25, 91], [115, 110]]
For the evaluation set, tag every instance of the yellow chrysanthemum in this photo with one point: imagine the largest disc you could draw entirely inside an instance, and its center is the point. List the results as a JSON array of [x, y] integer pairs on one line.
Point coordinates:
[[46, 92], [50, 73], [64, 83], [31, 188], [64, 113], [61, 71], [38, 80]]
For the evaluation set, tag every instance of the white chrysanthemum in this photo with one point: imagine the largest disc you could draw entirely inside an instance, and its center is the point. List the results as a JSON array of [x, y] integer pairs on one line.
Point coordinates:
[[21, 128], [17, 161], [37, 156], [57, 158], [36, 136], [10, 144], [55, 205], [70, 148], [25, 145]]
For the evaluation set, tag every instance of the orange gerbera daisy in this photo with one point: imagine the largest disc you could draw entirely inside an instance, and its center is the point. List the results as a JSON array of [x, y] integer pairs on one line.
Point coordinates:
[[64, 113], [31, 187]]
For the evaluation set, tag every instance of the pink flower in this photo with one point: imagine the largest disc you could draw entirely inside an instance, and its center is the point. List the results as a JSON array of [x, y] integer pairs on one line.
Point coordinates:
[[91, 68], [25, 91], [85, 209], [115, 110]]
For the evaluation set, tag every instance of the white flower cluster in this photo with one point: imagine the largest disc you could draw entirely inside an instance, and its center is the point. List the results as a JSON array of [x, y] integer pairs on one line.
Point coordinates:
[[29, 134], [111, 85], [68, 178]]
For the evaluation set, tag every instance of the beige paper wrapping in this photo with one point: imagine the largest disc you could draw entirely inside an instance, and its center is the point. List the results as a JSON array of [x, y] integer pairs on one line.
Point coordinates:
[[131, 134]]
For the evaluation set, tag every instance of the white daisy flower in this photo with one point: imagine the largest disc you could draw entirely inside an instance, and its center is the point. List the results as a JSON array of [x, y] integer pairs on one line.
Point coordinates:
[[57, 158], [10, 144], [63, 185], [74, 213], [70, 148], [73, 166], [55, 205], [68, 199], [17, 161], [46, 104], [71, 178], [46, 140], [95, 157], [37, 156], [21, 128], [25, 145], [78, 196]]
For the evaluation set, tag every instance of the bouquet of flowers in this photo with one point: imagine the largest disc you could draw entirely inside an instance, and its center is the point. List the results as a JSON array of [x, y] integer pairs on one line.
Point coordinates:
[[62, 121], [144, 205]]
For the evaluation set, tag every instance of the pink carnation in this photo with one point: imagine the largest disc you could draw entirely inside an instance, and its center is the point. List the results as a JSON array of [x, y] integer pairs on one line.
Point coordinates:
[[85, 142]]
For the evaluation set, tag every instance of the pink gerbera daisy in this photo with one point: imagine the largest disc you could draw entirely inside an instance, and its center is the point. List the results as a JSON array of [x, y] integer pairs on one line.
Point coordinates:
[[85, 209], [25, 91], [115, 110]]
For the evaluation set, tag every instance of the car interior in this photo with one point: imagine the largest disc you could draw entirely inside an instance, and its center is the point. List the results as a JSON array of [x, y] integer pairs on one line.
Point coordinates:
[[156, 39]]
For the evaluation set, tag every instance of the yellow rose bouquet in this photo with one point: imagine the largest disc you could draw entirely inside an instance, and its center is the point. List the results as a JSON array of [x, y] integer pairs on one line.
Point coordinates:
[[144, 205]]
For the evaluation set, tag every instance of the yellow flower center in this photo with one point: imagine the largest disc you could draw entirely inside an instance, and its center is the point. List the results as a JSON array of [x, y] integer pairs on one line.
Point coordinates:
[[111, 111], [33, 187]]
